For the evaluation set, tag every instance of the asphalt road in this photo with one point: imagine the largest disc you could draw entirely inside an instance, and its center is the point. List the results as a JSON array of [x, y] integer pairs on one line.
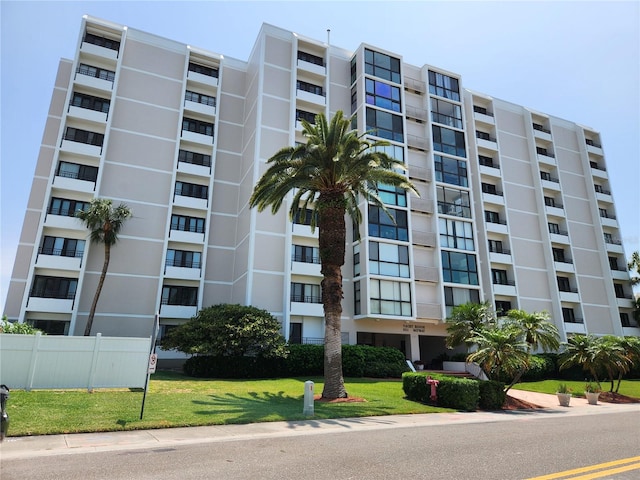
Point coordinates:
[[525, 447]]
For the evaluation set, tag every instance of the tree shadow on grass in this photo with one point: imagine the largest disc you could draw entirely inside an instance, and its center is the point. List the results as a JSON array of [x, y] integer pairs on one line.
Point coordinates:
[[270, 406]]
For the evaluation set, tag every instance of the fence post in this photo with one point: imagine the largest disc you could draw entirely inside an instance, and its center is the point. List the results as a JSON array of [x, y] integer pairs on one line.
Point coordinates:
[[34, 361], [94, 361]]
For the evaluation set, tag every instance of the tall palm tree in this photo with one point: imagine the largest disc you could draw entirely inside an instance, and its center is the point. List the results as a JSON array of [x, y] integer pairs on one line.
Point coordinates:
[[105, 223], [466, 320], [537, 331], [329, 174]]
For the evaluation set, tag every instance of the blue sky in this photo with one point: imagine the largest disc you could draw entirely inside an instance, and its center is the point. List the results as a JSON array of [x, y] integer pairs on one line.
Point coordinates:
[[575, 60]]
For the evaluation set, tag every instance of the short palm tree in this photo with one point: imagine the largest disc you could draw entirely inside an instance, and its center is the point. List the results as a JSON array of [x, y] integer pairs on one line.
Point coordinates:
[[330, 174], [537, 331], [580, 349], [501, 350], [466, 320], [105, 223]]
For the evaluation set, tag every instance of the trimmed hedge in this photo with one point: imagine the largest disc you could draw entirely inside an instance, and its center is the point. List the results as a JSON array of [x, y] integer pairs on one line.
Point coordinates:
[[453, 392], [303, 360], [492, 395]]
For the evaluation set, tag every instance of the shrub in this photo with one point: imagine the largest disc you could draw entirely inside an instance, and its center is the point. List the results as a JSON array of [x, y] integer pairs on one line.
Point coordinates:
[[540, 367], [457, 393], [17, 328], [492, 395]]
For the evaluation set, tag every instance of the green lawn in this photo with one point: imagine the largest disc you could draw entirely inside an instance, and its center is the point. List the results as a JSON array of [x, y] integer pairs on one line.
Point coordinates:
[[630, 388], [174, 400]]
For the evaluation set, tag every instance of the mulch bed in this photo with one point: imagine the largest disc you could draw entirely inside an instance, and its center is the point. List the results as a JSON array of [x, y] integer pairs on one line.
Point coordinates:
[[318, 398]]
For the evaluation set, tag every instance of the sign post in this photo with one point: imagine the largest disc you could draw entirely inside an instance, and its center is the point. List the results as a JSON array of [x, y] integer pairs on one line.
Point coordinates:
[[153, 359]]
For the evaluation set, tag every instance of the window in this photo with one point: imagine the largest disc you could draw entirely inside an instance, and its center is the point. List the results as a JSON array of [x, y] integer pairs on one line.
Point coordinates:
[[490, 189], [502, 307], [392, 195], [305, 293], [558, 255], [303, 217], [569, 316], [451, 170], [482, 110], [77, 171], [66, 208], [382, 95], [453, 202], [309, 87], [311, 58], [90, 102], [499, 277], [459, 268], [549, 201], [295, 333], [389, 259], [448, 141], [608, 238], [380, 225], [613, 263], [356, 298], [554, 228], [604, 213], [485, 161], [194, 158], [181, 258], [457, 296], [197, 126], [456, 234], [624, 319], [102, 41], [542, 151], [600, 189], [444, 86], [495, 246], [540, 128], [64, 247], [390, 298], [187, 224], [547, 176], [483, 136], [385, 125], [201, 69], [446, 113], [492, 217], [356, 260], [101, 73], [54, 287], [84, 136], [619, 289], [179, 295], [200, 98], [394, 151], [381, 66], [305, 254], [192, 190], [50, 327], [308, 116], [563, 284]]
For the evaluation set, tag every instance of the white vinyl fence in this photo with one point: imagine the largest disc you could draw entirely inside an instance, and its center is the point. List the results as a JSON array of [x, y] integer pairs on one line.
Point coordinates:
[[52, 361]]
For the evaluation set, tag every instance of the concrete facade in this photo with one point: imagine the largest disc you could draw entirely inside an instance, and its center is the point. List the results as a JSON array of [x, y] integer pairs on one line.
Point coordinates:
[[515, 205]]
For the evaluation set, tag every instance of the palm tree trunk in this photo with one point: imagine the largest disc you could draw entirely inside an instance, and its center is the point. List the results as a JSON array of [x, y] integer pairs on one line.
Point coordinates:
[[331, 242], [103, 275]]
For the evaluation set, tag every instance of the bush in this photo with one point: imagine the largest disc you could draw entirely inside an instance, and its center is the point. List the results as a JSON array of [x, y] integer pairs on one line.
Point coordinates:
[[492, 395], [302, 360], [17, 328], [540, 367], [457, 393]]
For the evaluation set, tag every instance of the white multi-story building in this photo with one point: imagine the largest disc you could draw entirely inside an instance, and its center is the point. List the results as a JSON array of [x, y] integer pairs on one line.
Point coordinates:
[[515, 205]]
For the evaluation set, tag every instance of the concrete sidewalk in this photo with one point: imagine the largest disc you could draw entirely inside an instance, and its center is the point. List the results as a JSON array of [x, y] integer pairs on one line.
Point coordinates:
[[44, 445]]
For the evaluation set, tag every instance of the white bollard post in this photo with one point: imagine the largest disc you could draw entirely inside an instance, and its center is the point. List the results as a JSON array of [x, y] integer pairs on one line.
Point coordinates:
[[308, 398]]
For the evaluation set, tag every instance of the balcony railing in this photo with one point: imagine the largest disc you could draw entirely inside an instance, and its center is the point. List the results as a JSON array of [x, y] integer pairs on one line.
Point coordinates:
[[504, 282], [453, 209], [306, 298], [503, 251], [96, 72], [540, 128], [60, 252], [611, 241], [181, 263], [306, 258]]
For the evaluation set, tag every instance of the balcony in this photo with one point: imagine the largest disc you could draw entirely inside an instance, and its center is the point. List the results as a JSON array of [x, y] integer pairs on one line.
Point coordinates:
[[207, 109], [186, 236], [565, 266], [598, 172], [496, 198], [311, 97], [614, 246], [577, 326], [508, 288], [559, 236], [196, 137], [74, 184], [426, 274], [54, 260], [503, 257], [423, 205], [194, 169], [50, 305], [546, 159], [88, 114], [191, 202], [626, 302], [94, 77], [420, 173], [485, 117], [424, 239], [419, 143], [593, 147], [304, 268], [608, 221], [182, 273], [570, 296], [178, 311], [540, 131], [488, 143], [432, 311], [307, 306], [555, 210], [311, 67], [619, 274], [209, 80], [412, 84], [63, 222], [99, 51], [304, 231], [417, 114]]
